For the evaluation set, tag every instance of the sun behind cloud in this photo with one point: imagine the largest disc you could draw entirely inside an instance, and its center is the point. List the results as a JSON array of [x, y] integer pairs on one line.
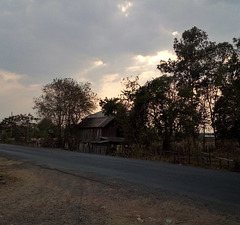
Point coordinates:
[[175, 33], [98, 63], [125, 7]]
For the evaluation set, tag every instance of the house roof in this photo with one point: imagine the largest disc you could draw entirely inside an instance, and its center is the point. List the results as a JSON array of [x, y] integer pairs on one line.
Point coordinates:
[[97, 120]]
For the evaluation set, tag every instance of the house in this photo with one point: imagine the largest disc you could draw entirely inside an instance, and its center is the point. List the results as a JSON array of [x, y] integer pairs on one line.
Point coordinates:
[[99, 134]]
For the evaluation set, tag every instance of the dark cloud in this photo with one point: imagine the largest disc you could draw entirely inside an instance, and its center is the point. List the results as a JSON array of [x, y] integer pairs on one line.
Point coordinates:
[[48, 38]]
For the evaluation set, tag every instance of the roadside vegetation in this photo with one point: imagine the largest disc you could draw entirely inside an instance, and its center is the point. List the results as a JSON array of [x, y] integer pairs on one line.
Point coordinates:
[[189, 115]]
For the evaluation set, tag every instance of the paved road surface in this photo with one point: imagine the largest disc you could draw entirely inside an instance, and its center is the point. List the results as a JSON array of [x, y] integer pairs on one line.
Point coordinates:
[[218, 186]]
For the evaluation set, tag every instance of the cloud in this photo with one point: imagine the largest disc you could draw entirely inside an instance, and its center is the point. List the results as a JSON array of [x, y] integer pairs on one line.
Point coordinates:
[[16, 97], [94, 40], [155, 59], [98, 63], [110, 86], [145, 65], [175, 33], [8, 76], [125, 7]]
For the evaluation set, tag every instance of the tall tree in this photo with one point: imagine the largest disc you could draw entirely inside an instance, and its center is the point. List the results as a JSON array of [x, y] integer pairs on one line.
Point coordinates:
[[162, 105], [227, 108], [65, 102], [227, 112], [193, 52], [122, 109]]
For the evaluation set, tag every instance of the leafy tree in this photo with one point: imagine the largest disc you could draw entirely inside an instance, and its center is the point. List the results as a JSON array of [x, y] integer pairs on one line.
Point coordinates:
[[65, 102], [193, 52], [162, 104], [228, 112], [198, 90], [227, 108], [122, 109], [47, 130], [112, 106], [200, 71], [115, 107], [128, 94], [141, 131], [19, 126]]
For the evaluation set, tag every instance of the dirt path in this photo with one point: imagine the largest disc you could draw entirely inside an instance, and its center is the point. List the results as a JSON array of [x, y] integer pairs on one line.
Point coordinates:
[[32, 195]]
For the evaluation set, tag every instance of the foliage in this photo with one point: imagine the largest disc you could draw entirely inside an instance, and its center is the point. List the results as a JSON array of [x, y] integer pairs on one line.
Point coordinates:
[[228, 112], [162, 108], [65, 102], [201, 71], [198, 91], [18, 126], [195, 92], [46, 130]]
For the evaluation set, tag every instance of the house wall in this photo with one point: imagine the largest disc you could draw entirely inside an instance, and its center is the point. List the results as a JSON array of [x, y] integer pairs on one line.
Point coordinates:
[[109, 131], [96, 132], [90, 134], [89, 137], [93, 148]]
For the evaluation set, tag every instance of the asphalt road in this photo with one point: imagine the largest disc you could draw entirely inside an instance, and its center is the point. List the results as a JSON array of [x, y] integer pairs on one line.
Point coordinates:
[[217, 186]]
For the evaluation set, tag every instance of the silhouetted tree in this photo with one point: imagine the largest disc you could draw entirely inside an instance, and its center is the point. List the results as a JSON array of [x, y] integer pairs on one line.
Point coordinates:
[[65, 102], [19, 126]]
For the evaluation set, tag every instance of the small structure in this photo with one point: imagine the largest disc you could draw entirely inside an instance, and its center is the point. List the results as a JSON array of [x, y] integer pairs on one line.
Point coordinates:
[[99, 134]]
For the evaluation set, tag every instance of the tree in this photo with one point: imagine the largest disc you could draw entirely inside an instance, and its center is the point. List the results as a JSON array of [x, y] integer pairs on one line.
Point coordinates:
[[200, 70], [227, 108], [115, 107], [128, 94], [217, 76], [19, 126], [65, 102], [46, 130], [193, 52], [191, 94], [162, 107], [228, 112], [122, 109]]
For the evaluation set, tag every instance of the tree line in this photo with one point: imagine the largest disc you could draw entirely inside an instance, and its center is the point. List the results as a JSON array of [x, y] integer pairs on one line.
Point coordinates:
[[60, 108], [198, 92]]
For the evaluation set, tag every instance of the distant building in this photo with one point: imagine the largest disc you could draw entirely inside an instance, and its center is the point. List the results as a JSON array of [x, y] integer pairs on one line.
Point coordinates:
[[99, 134]]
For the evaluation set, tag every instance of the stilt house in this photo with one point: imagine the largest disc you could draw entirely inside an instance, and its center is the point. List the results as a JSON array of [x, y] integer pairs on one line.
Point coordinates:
[[99, 133]]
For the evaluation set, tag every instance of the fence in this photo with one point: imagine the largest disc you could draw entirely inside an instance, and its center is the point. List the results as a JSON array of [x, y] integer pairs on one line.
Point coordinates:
[[195, 154]]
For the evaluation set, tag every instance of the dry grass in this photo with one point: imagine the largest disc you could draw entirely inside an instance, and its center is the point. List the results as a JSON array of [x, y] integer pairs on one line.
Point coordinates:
[[32, 195]]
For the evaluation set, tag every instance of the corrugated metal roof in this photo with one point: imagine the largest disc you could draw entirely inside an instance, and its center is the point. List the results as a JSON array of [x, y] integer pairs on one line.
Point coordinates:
[[96, 120]]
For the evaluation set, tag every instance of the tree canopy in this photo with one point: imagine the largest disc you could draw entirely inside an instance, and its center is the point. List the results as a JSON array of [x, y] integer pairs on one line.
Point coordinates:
[[65, 102], [197, 91]]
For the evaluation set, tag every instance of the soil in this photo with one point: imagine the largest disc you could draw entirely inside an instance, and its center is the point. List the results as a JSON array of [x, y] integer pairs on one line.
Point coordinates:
[[31, 194]]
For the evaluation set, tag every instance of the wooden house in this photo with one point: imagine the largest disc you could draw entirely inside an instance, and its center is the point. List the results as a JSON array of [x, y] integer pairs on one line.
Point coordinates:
[[99, 134]]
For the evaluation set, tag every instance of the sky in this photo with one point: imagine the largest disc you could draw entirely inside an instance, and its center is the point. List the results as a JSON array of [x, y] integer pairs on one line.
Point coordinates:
[[96, 41]]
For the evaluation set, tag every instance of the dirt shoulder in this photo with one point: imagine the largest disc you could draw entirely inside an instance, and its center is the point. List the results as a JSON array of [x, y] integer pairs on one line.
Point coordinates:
[[33, 195]]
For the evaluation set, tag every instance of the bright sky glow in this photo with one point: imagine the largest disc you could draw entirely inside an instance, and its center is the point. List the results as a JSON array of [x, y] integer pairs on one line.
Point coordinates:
[[125, 7], [99, 63], [155, 59], [175, 33]]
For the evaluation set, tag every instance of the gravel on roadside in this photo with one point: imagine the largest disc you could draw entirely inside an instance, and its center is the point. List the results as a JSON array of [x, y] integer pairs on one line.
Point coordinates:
[[34, 195]]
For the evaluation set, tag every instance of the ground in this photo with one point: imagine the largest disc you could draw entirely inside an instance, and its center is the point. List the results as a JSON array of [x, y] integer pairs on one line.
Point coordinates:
[[31, 194]]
